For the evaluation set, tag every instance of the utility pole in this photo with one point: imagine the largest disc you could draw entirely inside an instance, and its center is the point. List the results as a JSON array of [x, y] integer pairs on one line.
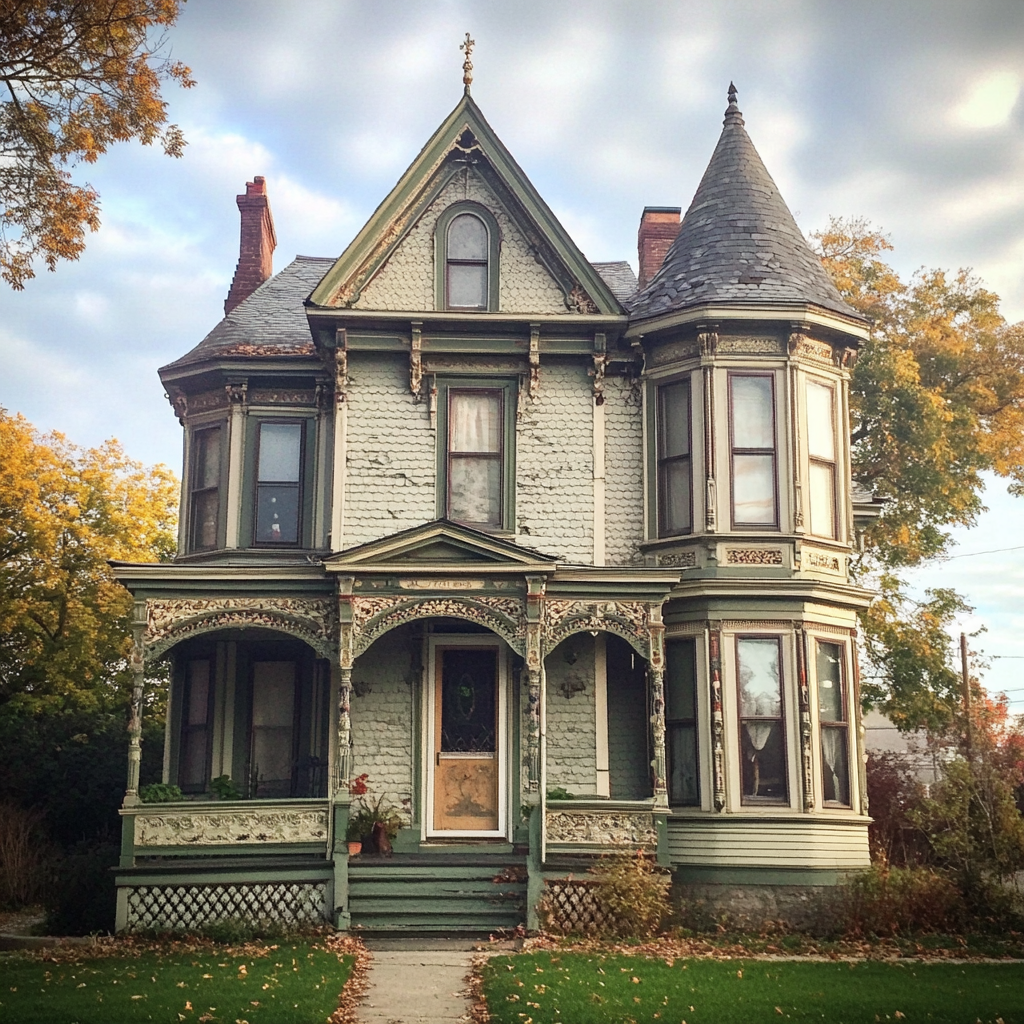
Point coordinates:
[[965, 680]]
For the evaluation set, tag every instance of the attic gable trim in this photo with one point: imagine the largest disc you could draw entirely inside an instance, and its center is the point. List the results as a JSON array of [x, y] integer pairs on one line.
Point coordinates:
[[815, 315], [465, 115]]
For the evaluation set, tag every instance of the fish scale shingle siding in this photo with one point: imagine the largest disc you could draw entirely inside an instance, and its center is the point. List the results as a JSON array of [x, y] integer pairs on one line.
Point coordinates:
[[624, 482]]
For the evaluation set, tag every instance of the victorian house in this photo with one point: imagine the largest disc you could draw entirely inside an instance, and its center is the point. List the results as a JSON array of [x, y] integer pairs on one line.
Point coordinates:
[[555, 557]]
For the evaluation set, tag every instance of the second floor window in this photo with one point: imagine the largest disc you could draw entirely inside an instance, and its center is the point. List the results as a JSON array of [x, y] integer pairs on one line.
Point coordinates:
[[821, 447], [475, 456], [752, 432], [205, 491], [279, 483], [466, 268], [674, 493]]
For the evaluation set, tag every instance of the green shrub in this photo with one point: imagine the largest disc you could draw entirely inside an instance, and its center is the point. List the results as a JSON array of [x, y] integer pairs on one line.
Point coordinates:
[[160, 793], [224, 788], [24, 855], [634, 893], [81, 898]]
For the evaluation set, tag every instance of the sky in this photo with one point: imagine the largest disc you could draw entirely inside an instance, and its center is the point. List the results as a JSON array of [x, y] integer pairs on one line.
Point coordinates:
[[909, 115]]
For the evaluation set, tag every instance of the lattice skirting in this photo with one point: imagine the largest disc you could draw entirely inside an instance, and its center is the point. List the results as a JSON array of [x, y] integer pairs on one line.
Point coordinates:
[[570, 906], [187, 907]]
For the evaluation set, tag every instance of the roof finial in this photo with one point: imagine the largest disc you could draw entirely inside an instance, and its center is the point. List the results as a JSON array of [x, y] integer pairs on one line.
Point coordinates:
[[732, 112], [467, 64]]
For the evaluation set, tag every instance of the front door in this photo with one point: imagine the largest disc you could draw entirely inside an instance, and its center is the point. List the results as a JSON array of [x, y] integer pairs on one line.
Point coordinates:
[[466, 740]]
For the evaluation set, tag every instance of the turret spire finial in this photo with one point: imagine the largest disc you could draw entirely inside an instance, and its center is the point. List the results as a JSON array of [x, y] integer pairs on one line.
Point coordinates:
[[467, 64], [732, 112]]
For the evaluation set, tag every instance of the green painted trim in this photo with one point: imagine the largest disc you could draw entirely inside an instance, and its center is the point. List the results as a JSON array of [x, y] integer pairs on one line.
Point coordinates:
[[236, 850], [509, 389], [466, 115], [127, 841], [534, 871], [710, 875], [661, 825], [256, 873], [441, 253]]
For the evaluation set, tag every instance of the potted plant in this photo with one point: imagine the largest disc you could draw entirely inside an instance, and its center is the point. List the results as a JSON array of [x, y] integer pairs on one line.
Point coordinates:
[[373, 823]]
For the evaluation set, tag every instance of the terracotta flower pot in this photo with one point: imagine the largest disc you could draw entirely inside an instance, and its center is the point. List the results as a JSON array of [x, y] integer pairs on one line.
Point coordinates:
[[354, 849]]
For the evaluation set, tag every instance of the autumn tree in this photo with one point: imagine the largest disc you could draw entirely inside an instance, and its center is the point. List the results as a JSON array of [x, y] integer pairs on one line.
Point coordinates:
[[937, 399], [79, 75]]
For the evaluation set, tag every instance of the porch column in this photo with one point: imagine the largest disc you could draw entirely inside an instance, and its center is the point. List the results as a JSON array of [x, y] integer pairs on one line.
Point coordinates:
[[138, 667], [532, 753], [343, 758], [656, 675], [531, 783]]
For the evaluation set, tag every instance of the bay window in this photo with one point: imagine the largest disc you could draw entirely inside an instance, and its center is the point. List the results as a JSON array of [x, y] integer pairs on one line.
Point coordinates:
[[675, 505], [762, 729], [821, 448], [833, 723], [752, 450], [279, 462], [681, 722], [204, 492]]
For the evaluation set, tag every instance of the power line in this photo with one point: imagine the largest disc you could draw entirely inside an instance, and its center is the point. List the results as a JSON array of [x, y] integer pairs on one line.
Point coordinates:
[[972, 554]]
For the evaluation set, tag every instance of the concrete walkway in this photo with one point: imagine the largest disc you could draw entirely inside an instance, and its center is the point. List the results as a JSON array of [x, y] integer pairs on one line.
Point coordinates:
[[415, 981]]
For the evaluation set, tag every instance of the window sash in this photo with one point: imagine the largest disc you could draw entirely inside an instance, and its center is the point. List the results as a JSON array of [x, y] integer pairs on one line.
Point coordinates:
[[760, 685], [204, 497], [833, 722], [280, 461], [754, 490], [682, 741], [821, 487], [467, 264], [675, 475], [475, 457]]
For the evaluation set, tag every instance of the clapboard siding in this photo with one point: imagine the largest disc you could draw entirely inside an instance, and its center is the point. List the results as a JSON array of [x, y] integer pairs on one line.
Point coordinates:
[[804, 843]]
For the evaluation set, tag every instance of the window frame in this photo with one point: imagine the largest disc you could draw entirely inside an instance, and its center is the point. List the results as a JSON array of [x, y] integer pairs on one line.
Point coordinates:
[[441, 257], [197, 432], [813, 460], [185, 729], [662, 461], [674, 720], [734, 451], [843, 725], [254, 490], [507, 475], [763, 801]]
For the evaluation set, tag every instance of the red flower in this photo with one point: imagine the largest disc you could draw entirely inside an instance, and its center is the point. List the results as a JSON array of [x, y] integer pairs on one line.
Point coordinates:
[[357, 787]]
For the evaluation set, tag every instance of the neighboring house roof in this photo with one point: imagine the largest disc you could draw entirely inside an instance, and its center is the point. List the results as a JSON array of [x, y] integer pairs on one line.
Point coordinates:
[[270, 322], [738, 243], [619, 277]]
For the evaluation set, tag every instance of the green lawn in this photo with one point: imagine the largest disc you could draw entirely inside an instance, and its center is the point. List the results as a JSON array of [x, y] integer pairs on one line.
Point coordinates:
[[295, 983], [588, 988]]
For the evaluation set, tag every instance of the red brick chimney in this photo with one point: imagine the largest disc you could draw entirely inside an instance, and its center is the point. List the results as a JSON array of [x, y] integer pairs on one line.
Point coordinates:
[[659, 226], [256, 251]]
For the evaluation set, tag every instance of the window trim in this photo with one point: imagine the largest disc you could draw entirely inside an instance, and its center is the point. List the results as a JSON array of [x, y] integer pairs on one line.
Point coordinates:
[[509, 393], [441, 256], [762, 801], [813, 460], [734, 451], [300, 532], [694, 722], [193, 524], [661, 460], [826, 724]]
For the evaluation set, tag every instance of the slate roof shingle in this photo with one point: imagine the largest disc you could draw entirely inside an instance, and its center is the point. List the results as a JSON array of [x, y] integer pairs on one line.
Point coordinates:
[[738, 242], [619, 277], [271, 321]]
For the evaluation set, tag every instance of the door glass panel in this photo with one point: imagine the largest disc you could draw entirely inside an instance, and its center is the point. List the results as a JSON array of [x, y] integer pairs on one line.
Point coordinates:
[[468, 709], [753, 489], [752, 414], [821, 442], [273, 715], [280, 452]]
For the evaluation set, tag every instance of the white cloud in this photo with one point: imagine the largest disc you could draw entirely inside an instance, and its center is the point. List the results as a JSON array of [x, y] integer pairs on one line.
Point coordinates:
[[990, 101]]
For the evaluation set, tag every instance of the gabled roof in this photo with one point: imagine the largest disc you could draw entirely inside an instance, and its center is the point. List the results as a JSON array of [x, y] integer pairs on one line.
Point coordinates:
[[271, 321], [738, 242], [464, 134], [619, 277], [443, 546]]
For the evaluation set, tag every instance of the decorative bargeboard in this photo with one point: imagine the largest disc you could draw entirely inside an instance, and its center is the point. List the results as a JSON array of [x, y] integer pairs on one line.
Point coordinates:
[[231, 827]]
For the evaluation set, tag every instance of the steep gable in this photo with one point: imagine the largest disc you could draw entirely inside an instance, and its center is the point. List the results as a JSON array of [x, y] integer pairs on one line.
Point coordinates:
[[390, 263]]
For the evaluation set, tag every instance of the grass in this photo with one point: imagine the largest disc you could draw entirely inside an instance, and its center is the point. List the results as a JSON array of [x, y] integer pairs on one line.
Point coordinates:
[[293, 983], [581, 988]]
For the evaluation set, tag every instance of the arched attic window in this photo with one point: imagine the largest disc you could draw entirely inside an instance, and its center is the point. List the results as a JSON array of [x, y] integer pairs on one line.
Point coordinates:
[[467, 259]]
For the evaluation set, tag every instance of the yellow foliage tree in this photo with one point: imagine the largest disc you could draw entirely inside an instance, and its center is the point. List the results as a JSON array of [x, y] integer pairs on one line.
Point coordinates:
[[65, 512]]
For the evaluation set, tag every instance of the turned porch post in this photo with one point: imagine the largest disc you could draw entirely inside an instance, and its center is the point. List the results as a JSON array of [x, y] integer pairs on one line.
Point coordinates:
[[656, 675], [346, 647], [534, 680], [138, 667]]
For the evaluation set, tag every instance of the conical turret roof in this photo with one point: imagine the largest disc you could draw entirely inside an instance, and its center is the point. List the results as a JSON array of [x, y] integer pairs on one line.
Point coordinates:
[[738, 243]]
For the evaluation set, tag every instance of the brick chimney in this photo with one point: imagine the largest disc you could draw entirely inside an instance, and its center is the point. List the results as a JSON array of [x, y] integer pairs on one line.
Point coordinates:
[[256, 250], [659, 226]]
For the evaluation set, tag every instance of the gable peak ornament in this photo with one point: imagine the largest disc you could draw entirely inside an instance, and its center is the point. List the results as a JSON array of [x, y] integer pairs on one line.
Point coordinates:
[[732, 112], [467, 64]]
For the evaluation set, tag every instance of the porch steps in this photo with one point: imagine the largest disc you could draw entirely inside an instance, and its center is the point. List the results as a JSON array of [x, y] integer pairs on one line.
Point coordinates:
[[439, 893]]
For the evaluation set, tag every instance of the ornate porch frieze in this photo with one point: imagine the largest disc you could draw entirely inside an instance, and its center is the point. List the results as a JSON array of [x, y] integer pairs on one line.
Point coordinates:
[[231, 827], [602, 828], [628, 619], [170, 620]]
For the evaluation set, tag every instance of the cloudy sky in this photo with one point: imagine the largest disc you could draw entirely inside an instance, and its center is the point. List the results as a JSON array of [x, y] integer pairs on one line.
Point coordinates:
[[908, 114]]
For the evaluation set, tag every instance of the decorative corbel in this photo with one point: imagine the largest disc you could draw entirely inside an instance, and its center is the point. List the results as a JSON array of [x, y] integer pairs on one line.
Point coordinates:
[[341, 367], [237, 392], [795, 340], [534, 359], [600, 357], [708, 342], [416, 360], [179, 403]]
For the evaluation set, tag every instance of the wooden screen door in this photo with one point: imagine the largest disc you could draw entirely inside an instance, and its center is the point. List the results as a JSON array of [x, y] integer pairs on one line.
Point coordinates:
[[466, 739]]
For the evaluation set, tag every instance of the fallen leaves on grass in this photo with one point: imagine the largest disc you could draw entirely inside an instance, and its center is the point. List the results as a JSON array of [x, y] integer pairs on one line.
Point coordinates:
[[355, 988]]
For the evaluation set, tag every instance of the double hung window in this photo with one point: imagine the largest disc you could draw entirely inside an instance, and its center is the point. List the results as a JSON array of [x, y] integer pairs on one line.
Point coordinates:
[[832, 720], [762, 732], [752, 430], [205, 489], [194, 758], [681, 722], [675, 506], [467, 252], [279, 463], [821, 447]]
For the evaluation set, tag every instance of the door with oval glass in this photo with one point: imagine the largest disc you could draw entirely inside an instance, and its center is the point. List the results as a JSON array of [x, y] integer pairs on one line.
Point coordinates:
[[466, 737]]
